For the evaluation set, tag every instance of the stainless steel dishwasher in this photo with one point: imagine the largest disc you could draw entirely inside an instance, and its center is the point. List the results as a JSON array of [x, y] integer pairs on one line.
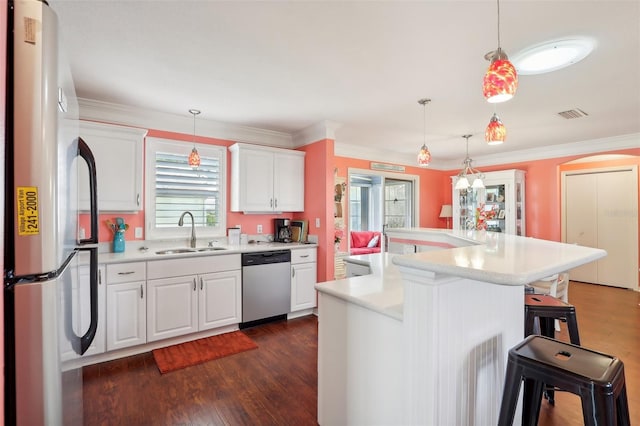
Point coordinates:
[[266, 285]]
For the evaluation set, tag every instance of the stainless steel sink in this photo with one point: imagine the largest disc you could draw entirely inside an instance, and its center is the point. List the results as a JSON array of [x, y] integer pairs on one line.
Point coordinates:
[[176, 251], [211, 249]]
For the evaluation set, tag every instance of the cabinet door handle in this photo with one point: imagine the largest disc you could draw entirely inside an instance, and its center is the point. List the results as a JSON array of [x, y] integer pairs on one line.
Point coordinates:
[[138, 199], [304, 255], [271, 202], [99, 276], [201, 283], [293, 272], [276, 206], [126, 273], [194, 284], [141, 292]]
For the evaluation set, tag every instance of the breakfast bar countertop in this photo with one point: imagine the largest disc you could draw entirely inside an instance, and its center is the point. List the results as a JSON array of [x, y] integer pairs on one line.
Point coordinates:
[[491, 257]]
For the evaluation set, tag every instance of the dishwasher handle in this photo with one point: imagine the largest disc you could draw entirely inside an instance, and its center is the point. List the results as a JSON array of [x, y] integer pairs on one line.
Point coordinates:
[[266, 257]]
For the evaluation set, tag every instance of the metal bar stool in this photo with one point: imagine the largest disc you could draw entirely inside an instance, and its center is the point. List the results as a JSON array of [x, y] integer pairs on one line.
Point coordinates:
[[547, 309], [596, 377]]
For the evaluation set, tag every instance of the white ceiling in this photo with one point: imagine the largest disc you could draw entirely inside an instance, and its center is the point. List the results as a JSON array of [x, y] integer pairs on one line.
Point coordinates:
[[287, 65]]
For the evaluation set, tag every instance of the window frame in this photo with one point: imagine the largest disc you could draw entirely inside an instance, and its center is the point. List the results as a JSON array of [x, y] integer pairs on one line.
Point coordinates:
[[154, 145]]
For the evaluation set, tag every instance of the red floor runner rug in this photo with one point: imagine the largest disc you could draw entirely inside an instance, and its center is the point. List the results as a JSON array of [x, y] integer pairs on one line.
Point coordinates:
[[198, 351]]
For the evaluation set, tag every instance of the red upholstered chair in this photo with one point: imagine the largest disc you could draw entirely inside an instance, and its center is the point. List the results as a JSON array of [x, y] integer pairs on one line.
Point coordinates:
[[364, 242]]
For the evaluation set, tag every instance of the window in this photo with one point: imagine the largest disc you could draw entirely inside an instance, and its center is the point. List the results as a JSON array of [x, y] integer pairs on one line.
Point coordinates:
[[397, 203], [173, 187]]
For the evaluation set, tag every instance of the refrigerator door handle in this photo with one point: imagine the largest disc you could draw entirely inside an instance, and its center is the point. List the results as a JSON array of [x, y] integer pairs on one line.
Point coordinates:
[[80, 344], [85, 153]]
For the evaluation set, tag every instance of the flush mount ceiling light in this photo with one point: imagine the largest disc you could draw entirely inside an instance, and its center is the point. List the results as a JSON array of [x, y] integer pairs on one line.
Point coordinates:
[[496, 133], [552, 55], [501, 79], [424, 156], [194, 157], [469, 173]]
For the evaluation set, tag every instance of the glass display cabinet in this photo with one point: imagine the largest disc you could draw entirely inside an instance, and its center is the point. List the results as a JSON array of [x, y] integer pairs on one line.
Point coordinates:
[[498, 207]]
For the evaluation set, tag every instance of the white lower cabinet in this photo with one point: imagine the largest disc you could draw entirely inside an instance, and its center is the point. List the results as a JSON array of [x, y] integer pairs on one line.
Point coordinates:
[[126, 305], [220, 299], [304, 273], [81, 312], [172, 307], [186, 302]]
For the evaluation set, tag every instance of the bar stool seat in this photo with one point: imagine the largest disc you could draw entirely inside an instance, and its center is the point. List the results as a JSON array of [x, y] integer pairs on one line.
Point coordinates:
[[547, 308], [596, 377]]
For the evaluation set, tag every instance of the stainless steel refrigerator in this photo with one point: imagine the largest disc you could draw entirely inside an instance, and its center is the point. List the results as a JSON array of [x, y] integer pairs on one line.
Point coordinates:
[[43, 153]]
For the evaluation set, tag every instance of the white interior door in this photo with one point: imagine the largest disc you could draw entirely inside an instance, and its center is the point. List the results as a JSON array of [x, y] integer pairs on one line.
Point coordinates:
[[618, 228], [601, 210], [580, 219]]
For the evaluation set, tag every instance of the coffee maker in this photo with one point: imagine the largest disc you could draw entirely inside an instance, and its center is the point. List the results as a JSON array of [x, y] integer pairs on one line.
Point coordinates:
[[282, 229]]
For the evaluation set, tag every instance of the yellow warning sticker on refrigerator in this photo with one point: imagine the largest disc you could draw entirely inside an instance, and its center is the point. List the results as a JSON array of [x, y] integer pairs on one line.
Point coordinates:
[[27, 204]]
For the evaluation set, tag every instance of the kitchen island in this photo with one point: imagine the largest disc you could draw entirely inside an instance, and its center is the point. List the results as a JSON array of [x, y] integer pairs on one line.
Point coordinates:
[[423, 339]]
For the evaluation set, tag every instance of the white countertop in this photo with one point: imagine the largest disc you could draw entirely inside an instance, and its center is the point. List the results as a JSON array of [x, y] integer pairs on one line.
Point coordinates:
[[496, 258], [380, 291], [133, 252]]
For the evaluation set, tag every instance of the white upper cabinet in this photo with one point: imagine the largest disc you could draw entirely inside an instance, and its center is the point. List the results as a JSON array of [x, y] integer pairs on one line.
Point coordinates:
[[266, 179], [118, 152]]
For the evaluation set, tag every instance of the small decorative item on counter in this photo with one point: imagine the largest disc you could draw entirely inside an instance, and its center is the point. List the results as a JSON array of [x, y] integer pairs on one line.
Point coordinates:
[[118, 228]]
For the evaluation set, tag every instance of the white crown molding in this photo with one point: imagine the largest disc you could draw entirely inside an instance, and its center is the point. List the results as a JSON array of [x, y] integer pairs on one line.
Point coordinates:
[[592, 146], [93, 110], [369, 154], [316, 132]]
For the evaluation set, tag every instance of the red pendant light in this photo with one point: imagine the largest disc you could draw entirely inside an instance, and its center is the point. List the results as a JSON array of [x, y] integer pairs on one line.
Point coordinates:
[[495, 133], [501, 79], [424, 156], [194, 157]]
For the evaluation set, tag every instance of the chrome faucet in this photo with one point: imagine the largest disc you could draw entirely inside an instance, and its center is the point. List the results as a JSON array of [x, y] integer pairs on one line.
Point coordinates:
[[193, 228]]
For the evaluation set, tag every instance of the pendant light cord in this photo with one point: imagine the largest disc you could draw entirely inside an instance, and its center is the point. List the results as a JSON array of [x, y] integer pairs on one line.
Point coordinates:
[[424, 103], [424, 124], [498, 1], [194, 112]]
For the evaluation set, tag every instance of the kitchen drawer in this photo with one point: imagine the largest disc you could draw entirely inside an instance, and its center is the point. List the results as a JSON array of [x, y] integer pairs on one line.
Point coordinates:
[[303, 255], [356, 270], [126, 272], [193, 265]]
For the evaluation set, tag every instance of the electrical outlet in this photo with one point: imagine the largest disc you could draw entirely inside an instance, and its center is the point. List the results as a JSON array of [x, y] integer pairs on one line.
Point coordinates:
[[317, 222], [82, 234], [259, 229], [138, 233]]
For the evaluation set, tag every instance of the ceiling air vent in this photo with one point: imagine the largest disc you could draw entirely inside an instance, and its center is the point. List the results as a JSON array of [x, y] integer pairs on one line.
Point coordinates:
[[573, 113]]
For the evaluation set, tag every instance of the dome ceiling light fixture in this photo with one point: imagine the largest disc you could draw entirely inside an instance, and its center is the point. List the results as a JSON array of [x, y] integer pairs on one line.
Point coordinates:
[[496, 133], [424, 156], [552, 55], [194, 157], [469, 173], [501, 79]]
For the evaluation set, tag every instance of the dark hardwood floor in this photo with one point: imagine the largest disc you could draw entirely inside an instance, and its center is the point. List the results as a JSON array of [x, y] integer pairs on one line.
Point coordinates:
[[277, 383]]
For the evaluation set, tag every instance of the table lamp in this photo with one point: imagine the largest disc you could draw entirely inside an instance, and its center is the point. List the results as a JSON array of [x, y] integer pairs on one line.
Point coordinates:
[[446, 212]]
